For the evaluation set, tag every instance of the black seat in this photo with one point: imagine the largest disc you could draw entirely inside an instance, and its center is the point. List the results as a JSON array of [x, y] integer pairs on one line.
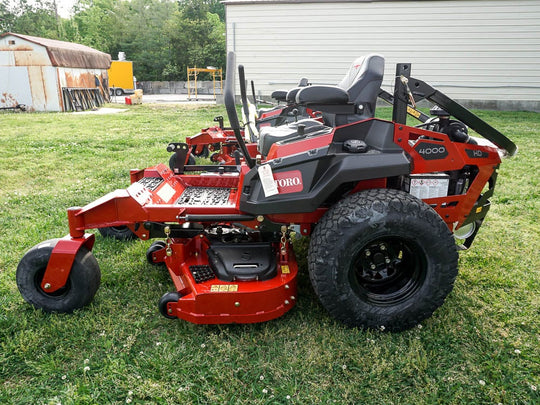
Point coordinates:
[[353, 99], [283, 95], [361, 84], [287, 113]]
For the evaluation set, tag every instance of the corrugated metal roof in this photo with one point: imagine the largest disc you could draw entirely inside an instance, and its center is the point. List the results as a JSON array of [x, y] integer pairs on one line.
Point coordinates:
[[69, 54]]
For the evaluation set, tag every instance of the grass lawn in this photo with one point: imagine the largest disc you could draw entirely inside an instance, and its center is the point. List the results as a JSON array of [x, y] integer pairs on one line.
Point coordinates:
[[481, 347]]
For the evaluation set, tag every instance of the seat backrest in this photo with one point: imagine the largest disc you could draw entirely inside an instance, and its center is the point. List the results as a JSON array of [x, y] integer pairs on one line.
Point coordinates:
[[362, 82]]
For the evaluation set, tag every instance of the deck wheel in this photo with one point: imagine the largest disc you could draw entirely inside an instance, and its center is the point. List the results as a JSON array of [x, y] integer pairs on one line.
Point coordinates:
[[80, 288], [154, 247], [168, 297], [172, 161]]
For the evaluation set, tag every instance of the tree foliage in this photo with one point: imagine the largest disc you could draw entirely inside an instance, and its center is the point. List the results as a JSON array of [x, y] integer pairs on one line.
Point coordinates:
[[161, 37]]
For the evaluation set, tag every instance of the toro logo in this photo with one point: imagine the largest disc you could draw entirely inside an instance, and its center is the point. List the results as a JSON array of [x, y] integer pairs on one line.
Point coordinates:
[[431, 151], [289, 182]]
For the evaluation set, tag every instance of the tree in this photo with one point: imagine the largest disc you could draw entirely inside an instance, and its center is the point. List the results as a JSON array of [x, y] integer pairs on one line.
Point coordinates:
[[197, 38], [7, 18], [38, 18], [96, 24], [161, 37], [143, 38]]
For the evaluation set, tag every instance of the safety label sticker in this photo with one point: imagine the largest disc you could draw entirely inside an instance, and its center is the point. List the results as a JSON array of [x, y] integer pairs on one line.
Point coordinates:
[[267, 180], [224, 288]]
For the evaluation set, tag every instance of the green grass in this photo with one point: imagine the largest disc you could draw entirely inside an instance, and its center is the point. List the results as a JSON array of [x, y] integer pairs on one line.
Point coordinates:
[[482, 346]]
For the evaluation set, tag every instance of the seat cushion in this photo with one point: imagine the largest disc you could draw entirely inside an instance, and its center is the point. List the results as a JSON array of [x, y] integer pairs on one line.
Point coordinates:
[[322, 94]]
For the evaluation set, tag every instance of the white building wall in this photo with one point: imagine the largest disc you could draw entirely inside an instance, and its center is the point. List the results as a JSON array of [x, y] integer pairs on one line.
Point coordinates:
[[471, 50]]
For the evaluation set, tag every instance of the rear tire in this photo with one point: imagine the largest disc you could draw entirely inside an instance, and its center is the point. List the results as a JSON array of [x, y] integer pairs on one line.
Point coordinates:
[[382, 258], [80, 288], [119, 92]]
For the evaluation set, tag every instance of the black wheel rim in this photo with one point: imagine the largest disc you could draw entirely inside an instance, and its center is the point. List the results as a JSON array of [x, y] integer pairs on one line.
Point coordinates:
[[388, 270]]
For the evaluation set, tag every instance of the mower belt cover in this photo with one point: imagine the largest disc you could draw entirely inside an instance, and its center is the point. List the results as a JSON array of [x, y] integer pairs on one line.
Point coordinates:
[[243, 262]]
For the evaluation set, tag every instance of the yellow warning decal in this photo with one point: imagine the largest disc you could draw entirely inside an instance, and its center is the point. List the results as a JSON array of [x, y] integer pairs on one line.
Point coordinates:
[[479, 209], [224, 288], [413, 112], [285, 269]]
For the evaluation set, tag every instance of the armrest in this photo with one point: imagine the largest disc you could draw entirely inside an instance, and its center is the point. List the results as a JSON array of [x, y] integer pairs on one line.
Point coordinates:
[[291, 95], [279, 95], [322, 95]]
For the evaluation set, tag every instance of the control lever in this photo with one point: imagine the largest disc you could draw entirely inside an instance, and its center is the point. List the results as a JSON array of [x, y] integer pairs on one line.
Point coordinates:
[[294, 113], [219, 119], [301, 130], [237, 156]]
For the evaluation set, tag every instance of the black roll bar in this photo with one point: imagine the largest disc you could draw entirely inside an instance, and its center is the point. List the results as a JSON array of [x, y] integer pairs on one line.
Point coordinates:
[[230, 105], [407, 87], [245, 104], [421, 90]]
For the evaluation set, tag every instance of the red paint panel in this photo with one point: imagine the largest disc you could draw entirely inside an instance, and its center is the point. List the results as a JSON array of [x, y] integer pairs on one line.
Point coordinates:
[[220, 302], [289, 182], [292, 148], [454, 208]]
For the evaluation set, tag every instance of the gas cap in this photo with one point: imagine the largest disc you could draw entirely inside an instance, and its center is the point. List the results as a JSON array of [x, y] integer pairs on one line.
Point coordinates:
[[354, 146]]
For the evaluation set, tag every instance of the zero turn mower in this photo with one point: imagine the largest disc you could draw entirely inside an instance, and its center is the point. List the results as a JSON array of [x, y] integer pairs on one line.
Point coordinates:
[[382, 202]]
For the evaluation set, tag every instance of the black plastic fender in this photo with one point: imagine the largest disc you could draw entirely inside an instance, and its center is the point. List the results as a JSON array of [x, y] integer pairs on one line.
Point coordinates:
[[306, 180]]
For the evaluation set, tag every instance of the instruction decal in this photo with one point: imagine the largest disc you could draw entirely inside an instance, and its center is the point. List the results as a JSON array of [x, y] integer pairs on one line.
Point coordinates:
[[267, 180]]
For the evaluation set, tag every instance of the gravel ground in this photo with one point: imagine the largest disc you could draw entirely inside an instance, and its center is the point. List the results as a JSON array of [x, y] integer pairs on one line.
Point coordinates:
[[167, 98]]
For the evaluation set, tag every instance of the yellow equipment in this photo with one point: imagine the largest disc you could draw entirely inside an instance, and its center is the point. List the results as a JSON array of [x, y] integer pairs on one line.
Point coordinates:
[[121, 77], [192, 80]]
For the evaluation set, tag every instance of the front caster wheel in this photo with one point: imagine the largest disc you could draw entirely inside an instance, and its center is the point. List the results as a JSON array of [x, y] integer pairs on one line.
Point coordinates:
[[168, 297], [200, 152], [382, 258], [172, 161], [80, 288], [215, 157], [117, 232], [154, 247]]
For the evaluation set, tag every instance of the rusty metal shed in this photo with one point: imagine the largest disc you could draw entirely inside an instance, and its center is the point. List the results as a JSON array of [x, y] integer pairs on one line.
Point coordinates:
[[50, 75]]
